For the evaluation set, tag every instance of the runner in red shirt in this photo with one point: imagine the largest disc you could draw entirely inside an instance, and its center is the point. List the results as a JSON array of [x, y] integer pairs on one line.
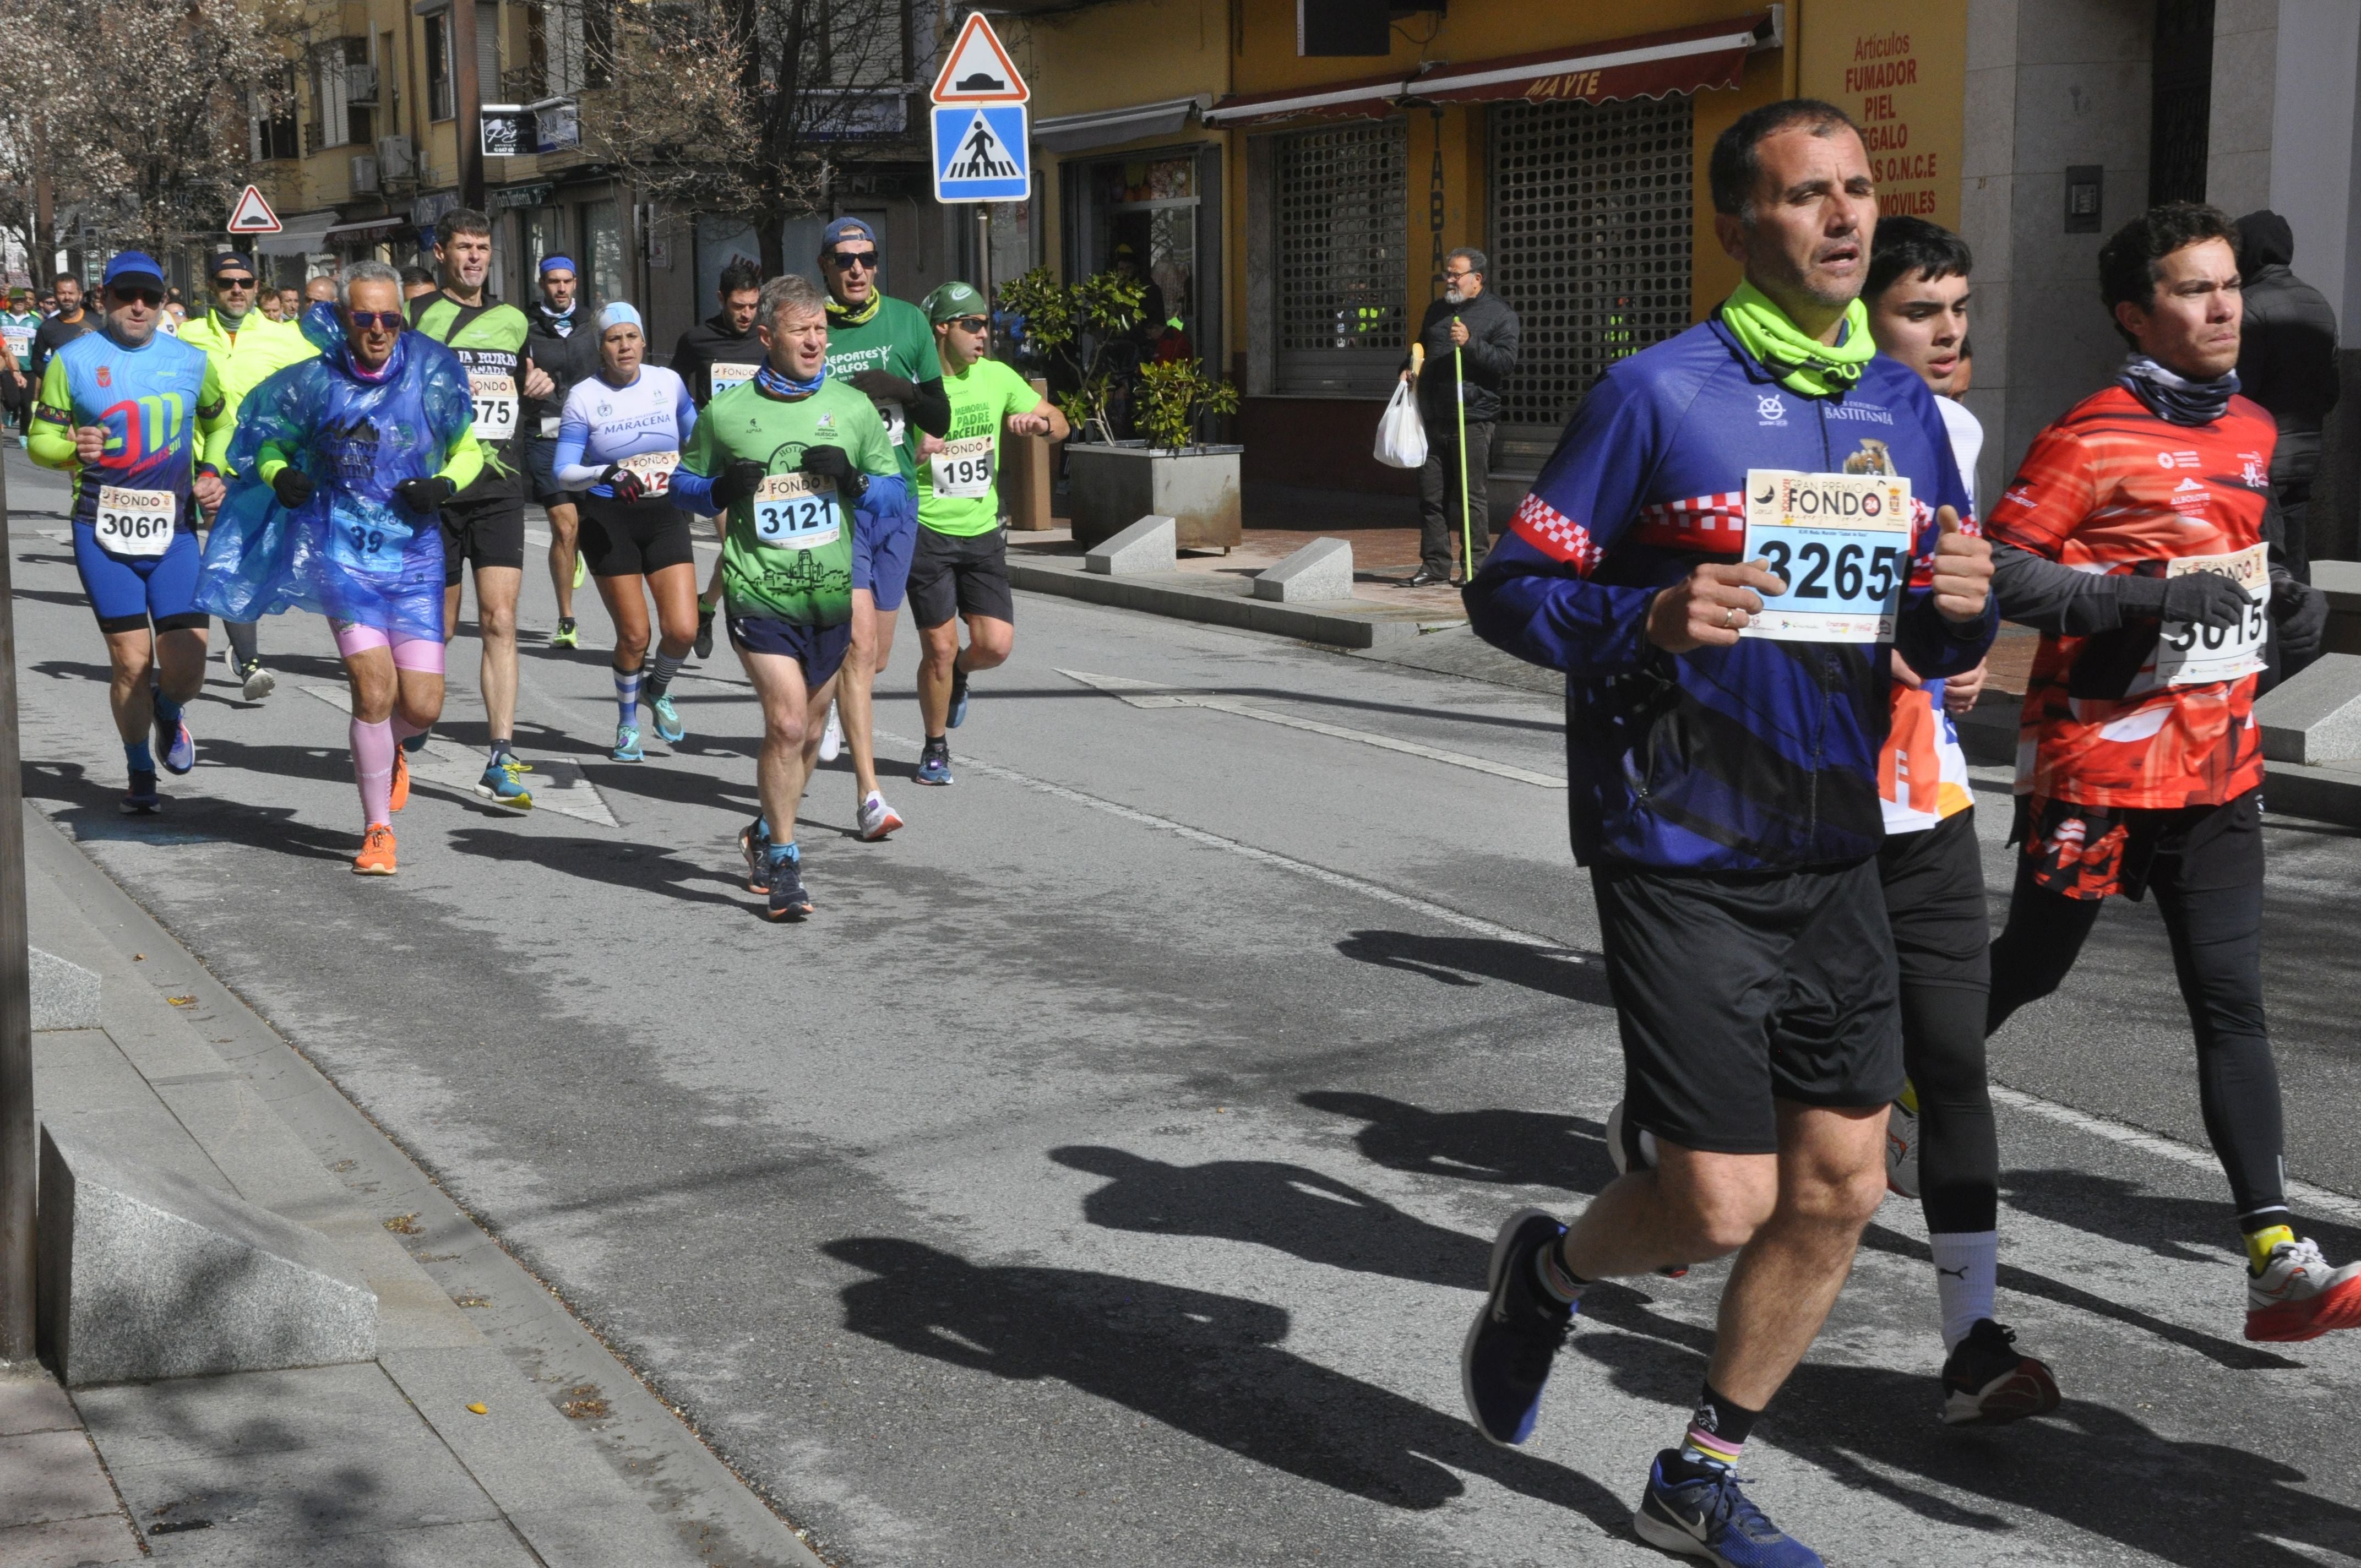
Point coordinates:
[[2140, 537]]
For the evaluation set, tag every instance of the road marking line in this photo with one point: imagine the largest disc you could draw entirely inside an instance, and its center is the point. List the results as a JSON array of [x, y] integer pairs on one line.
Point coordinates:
[[560, 786], [2303, 1192], [1147, 694]]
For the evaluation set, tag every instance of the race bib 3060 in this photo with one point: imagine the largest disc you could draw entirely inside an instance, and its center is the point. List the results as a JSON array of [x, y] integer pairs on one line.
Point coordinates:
[[134, 522]]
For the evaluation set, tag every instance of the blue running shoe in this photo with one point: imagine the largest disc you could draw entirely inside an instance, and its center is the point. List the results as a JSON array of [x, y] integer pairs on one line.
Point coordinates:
[[503, 784], [789, 899], [669, 728], [959, 697], [754, 843], [413, 744], [141, 799], [1710, 1517], [627, 745], [175, 747], [1506, 1361], [935, 765]]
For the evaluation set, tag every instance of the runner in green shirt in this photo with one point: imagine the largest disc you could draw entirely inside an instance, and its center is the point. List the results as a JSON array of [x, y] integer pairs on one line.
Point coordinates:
[[799, 463], [886, 349], [961, 567]]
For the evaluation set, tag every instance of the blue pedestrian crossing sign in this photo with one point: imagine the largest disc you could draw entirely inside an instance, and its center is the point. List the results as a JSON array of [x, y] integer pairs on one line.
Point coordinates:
[[981, 153]]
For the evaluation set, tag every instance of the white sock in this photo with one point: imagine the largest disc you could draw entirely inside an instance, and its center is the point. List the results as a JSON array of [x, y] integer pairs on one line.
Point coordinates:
[[1965, 1264]]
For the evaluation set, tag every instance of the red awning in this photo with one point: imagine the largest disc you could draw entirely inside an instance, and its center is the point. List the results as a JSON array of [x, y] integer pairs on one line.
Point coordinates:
[[1650, 65]]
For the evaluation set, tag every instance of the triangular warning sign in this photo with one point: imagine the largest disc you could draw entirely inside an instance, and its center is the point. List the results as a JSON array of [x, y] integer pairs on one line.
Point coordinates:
[[252, 215], [978, 70]]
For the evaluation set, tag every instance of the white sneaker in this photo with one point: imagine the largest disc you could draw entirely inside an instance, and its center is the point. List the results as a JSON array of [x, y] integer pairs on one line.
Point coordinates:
[[260, 683], [875, 819], [2299, 1296], [831, 739]]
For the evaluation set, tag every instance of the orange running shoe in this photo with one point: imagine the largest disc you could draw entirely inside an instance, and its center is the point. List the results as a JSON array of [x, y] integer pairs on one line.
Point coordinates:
[[399, 795], [376, 857]]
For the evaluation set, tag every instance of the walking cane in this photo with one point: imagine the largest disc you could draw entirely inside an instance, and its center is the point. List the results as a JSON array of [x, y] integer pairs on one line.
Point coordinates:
[[1466, 526]]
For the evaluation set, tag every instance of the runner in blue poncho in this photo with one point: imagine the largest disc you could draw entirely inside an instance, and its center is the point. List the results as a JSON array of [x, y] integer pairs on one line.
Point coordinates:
[[343, 462]]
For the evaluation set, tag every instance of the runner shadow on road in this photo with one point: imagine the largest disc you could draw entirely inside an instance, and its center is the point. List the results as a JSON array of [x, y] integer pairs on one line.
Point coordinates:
[[1206, 1365], [2186, 1230], [2093, 1469], [636, 867], [1453, 960], [1289, 1208], [93, 811], [1511, 1148]]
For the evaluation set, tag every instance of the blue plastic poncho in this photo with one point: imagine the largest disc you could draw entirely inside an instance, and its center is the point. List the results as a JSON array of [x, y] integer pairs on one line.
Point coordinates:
[[320, 325], [352, 552]]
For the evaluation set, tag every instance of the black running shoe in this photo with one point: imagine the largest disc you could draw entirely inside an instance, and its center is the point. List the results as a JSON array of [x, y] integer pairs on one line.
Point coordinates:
[[141, 799], [1986, 1381], [754, 843], [703, 646], [1506, 1360], [789, 899]]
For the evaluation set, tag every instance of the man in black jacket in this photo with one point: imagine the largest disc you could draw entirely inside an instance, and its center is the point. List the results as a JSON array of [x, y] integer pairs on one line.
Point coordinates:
[[72, 321], [2286, 362], [564, 341], [712, 357], [1483, 330]]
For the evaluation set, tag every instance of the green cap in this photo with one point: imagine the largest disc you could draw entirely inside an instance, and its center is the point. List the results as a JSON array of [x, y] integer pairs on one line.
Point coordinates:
[[951, 300]]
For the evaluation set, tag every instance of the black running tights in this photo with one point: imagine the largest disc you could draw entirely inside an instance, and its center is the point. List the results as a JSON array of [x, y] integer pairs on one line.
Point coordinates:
[[2217, 940], [1958, 1147]]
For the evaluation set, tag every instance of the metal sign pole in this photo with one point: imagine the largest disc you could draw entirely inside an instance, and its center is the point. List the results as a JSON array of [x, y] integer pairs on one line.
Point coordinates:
[[18, 1136], [983, 253]]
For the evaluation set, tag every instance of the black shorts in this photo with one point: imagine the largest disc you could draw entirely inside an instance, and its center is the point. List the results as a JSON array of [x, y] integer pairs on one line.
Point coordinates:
[[1935, 903], [482, 534], [1736, 989], [820, 649], [953, 575], [631, 539], [541, 463]]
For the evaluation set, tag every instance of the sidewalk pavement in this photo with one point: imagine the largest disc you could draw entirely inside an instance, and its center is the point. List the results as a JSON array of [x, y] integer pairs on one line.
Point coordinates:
[[491, 1429]]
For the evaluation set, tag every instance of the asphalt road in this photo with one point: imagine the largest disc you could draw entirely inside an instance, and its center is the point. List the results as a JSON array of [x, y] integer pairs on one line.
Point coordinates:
[[1105, 1173]]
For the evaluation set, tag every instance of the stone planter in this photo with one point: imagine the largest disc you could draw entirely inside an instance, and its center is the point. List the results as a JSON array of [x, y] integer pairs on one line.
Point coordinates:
[[1108, 489]]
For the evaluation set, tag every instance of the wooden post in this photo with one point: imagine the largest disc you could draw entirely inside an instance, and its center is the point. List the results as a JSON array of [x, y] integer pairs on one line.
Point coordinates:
[[19, 1153], [1028, 467]]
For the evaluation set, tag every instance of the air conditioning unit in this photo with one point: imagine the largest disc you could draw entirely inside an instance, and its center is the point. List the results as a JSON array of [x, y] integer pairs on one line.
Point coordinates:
[[360, 84], [363, 175], [395, 161]]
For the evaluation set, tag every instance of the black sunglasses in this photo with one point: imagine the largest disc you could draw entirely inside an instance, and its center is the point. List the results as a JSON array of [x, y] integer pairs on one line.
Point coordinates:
[[850, 258], [144, 296], [232, 282], [977, 324], [391, 320]]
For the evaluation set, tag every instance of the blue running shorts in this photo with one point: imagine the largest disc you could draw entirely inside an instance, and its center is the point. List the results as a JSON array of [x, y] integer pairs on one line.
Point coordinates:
[[128, 592], [882, 562]]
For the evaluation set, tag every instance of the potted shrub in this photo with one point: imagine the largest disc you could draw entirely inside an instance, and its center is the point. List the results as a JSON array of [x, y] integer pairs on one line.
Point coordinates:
[[1166, 469]]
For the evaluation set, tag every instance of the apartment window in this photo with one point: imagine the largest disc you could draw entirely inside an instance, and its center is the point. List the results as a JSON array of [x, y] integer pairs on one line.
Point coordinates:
[[1590, 246], [569, 47], [1341, 273], [277, 135], [343, 93], [602, 236], [440, 100]]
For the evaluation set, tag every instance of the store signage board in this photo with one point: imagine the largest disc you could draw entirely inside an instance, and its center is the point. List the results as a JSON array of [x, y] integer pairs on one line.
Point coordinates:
[[981, 153], [252, 215], [978, 70]]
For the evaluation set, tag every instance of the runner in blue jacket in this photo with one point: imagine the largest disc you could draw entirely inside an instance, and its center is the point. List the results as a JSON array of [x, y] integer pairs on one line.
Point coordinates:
[[1725, 793]]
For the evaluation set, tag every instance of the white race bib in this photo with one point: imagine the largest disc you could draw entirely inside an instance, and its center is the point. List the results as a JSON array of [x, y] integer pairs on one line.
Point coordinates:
[[796, 512], [549, 427], [134, 522], [655, 470], [496, 404], [1840, 542], [963, 469], [896, 423], [2188, 656], [728, 375]]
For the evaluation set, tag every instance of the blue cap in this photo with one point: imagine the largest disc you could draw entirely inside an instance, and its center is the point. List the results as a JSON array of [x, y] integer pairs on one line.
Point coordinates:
[[617, 313], [552, 263], [847, 228], [135, 269]]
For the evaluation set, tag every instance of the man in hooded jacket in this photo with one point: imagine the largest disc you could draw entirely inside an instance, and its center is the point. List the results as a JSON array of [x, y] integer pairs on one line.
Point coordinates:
[[2286, 362]]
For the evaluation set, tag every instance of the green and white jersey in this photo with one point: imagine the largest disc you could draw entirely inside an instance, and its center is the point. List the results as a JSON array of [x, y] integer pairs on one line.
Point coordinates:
[[788, 552], [958, 490], [897, 338], [490, 341], [17, 331]]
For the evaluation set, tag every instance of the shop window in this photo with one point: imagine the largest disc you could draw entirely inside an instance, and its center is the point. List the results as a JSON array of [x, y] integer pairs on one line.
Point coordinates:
[[1590, 234], [1146, 214], [1340, 272], [602, 236]]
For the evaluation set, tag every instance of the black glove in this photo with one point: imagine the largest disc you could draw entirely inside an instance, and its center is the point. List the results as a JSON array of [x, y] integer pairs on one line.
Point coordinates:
[[2205, 599], [293, 487], [835, 463], [430, 494], [623, 482], [738, 481], [884, 386], [2302, 611]]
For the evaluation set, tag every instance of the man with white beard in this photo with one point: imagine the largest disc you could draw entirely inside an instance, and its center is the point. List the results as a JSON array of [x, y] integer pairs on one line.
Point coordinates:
[[1483, 331]]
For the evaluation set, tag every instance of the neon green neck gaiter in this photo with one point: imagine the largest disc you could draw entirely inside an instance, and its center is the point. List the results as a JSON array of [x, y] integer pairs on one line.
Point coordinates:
[[1802, 364]]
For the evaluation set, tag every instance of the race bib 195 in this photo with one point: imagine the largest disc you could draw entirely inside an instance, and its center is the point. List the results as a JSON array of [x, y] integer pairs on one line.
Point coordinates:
[[796, 512], [134, 522], [496, 404], [963, 469], [1840, 542], [655, 470], [2188, 655]]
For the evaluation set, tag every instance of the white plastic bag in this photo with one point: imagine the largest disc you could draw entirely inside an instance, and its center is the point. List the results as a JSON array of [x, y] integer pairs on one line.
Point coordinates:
[[1401, 434]]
